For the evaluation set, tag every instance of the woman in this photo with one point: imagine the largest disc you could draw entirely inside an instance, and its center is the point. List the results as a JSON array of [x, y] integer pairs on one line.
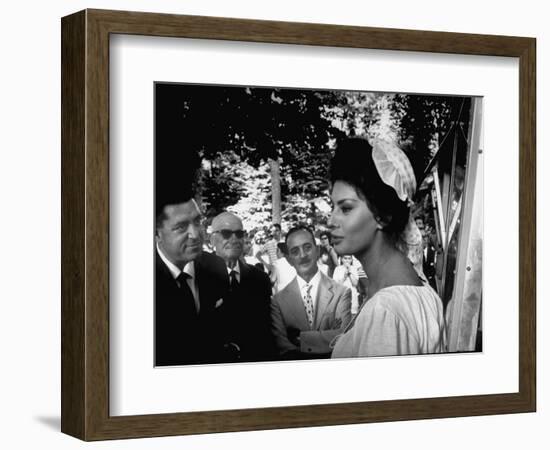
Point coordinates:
[[327, 254], [372, 189]]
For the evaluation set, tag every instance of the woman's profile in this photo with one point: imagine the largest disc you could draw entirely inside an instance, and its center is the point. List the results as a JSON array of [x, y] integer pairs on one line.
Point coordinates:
[[372, 188]]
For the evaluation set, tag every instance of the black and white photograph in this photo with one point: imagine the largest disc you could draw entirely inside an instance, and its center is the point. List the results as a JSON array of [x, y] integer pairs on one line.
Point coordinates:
[[303, 224], [268, 225]]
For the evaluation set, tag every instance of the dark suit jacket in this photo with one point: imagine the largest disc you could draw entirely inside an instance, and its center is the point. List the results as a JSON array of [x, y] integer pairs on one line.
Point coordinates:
[[249, 320], [181, 335]]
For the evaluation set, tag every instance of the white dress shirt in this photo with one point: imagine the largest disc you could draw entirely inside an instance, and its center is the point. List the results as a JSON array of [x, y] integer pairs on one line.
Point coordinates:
[[237, 270]]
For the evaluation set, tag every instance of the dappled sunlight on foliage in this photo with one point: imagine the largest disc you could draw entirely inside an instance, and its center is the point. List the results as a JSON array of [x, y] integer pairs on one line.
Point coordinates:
[[249, 138]]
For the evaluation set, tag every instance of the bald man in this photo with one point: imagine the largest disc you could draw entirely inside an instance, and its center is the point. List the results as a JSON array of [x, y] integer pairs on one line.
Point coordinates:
[[247, 304]]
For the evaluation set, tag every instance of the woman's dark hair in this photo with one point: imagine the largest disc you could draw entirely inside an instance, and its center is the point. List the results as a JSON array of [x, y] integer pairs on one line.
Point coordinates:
[[353, 164]]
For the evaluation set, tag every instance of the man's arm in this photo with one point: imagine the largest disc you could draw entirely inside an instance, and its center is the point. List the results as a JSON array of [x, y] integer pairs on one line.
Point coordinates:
[[317, 341], [333, 255], [260, 253], [339, 274], [354, 278]]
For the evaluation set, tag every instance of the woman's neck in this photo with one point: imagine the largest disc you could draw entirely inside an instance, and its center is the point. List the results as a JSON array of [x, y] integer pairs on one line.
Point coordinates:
[[385, 265]]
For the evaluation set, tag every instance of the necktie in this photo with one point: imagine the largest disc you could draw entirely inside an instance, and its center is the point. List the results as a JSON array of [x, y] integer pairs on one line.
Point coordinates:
[[187, 294], [308, 303], [233, 282]]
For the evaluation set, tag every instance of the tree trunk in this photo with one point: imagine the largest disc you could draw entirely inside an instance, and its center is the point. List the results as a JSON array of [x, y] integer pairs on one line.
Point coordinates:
[[275, 190]]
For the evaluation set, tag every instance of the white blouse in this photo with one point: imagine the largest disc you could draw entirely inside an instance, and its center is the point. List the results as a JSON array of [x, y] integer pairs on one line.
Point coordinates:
[[397, 320]]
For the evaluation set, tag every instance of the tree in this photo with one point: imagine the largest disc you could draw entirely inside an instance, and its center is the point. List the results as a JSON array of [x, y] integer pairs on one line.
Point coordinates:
[[283, 128], [254, 205], [424, 122], [238, 132]]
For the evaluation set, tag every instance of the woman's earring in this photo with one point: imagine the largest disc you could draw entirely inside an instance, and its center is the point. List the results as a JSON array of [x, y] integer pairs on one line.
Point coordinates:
[[378, 224]]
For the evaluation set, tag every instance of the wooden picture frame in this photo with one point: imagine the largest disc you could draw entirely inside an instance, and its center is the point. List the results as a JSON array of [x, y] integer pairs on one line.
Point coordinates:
[[85, 224]]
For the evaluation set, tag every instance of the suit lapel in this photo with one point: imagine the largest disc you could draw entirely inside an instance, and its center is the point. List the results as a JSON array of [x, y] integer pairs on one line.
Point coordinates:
[[163, 271], [296, 303], [212, 281], [324, 297], [169, 298]]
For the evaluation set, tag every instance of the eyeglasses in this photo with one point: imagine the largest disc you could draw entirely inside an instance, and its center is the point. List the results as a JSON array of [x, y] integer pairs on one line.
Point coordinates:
[[226, 234]]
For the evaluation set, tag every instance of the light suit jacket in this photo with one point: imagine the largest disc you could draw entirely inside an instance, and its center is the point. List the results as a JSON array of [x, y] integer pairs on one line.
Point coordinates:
[[332, 314]]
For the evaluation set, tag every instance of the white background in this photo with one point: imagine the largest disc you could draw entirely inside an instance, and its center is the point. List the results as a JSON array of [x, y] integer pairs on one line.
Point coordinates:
[[30, 229]]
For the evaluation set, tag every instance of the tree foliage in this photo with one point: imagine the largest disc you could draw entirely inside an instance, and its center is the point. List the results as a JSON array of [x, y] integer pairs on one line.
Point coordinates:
[[424, 123], [238, 131]]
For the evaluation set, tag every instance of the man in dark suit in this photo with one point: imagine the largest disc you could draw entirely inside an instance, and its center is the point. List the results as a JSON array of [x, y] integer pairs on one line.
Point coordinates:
[[312, 309], [247, 304], [189, 289]]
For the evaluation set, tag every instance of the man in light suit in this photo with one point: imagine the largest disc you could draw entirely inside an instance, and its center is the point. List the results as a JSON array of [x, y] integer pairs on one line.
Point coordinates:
[[313, 309], [247, 303]]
